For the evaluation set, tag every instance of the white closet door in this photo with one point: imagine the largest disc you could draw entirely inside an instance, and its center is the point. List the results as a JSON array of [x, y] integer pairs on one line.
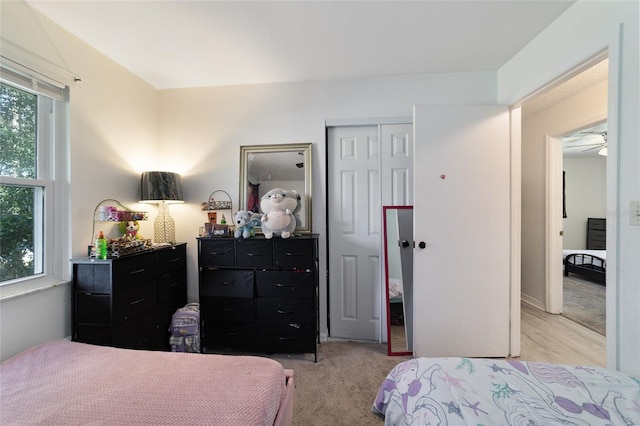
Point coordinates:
[[354, 232], [368, 166]]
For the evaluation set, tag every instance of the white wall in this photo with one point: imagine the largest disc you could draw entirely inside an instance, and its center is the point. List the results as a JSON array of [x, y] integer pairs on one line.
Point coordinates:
[[574, 113], [217, 121], [560, 47], [114, 136], [586, 192]]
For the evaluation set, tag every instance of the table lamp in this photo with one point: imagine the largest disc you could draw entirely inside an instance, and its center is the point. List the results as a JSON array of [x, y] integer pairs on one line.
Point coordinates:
[[162, 188]]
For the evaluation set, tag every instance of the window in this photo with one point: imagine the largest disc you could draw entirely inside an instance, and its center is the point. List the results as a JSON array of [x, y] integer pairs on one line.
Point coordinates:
[[32, 170]]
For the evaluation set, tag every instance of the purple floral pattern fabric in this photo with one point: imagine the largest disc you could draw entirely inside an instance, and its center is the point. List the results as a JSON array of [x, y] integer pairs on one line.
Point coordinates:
[[466, 391]]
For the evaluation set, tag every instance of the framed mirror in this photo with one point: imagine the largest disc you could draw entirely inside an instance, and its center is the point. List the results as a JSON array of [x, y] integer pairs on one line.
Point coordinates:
[[287, 166], [398, 268]]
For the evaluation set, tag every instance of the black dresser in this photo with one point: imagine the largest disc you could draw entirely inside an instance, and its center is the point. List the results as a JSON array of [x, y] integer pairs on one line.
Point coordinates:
[[258, 294], [128, 301], [596, 234]]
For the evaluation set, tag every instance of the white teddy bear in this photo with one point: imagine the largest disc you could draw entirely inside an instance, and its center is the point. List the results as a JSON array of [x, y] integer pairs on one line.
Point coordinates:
[[279, 207]]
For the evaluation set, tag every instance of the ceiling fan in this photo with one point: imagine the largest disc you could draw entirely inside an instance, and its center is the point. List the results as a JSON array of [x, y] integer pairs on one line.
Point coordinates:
[[587, 139], [601, 145]]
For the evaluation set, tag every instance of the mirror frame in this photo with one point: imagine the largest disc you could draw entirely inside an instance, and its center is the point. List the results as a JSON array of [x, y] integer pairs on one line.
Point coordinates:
[[390, 350], [305, 199]]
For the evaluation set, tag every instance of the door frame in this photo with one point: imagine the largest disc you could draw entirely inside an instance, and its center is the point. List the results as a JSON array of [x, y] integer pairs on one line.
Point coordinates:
[[553, 216]]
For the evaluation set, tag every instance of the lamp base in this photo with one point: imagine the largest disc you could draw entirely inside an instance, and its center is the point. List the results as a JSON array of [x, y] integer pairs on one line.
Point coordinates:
[[164, 227]]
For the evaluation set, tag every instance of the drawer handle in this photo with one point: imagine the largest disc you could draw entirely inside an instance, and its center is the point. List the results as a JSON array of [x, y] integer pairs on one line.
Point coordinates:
[[227, 283], [136, 271], [293, 254], [174, 260], [254, 254], [281, 312], [228, 309], [175, 284], [136, 302], [283, 285], [221, 253], [285, 338]]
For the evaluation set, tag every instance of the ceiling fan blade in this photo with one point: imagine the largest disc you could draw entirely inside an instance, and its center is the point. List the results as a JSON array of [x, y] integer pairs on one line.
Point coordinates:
[[586, 144], [600, 145]]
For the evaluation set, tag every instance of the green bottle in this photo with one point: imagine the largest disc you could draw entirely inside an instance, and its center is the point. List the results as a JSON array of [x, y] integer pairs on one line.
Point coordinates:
[[101, 246]]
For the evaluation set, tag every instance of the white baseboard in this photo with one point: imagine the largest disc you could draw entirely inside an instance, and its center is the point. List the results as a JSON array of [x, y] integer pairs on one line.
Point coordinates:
[[533, 302]]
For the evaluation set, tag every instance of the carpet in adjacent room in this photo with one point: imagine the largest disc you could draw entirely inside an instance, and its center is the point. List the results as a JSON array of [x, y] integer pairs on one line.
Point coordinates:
[[584, 303]]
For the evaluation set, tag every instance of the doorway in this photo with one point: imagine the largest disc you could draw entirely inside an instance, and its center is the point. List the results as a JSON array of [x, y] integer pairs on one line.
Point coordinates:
[[584, 169], [571, 106]]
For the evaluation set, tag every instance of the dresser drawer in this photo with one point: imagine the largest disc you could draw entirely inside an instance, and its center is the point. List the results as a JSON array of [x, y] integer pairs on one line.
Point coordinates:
[[293, 284], [172, 259], [226, 311], [132, 303], [595, 223], [137, 334], [598, 235], [92, 278], [226, 283], [92, 308], [287, 338], [95, 334], [129, 272], [217, 252], [173, 288], [230, 337], [292, 253], [285, 311], [256, 253], [596, 245]]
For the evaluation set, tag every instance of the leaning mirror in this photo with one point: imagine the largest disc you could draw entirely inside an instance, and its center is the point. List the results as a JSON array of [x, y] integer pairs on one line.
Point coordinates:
[[398, 266], [287, 166]]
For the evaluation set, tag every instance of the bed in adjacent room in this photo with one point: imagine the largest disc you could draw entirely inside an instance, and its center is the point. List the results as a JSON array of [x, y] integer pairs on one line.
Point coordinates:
[[70, 383], [396, 302], [465, 391], [588, 264]]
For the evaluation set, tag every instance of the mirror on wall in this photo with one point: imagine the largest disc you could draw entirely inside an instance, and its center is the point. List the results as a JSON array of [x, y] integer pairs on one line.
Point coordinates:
[[398, 266], [287, 166]]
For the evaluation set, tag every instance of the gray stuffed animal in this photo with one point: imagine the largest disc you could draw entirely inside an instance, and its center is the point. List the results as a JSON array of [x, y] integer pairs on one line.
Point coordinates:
[[279, 207]]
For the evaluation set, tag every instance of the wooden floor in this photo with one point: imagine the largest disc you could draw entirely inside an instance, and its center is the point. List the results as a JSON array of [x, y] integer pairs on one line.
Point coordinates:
[[556, 339]]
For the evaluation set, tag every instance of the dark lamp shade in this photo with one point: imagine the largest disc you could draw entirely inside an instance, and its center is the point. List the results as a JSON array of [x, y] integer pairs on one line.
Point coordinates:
[[161, 186]]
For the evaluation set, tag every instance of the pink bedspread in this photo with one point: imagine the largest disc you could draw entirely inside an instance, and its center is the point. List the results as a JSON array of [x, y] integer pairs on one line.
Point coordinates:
[[68, 383]]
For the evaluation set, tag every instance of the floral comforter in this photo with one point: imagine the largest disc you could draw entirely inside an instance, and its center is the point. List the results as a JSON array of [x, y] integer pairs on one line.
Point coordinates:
[[463, 391]]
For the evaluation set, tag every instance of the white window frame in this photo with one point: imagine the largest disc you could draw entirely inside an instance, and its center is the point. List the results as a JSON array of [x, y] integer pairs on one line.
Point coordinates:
[[53, 179]]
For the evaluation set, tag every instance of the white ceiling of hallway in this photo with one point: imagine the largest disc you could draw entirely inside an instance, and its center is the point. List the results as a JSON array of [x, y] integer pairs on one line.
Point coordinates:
[[178, 44]]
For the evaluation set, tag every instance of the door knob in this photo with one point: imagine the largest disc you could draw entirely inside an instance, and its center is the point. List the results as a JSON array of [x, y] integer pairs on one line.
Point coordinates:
[[405, 243], [422, 244]]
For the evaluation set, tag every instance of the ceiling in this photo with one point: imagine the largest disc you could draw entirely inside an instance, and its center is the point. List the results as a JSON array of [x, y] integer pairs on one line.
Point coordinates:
[[217, 43], [180, 44]]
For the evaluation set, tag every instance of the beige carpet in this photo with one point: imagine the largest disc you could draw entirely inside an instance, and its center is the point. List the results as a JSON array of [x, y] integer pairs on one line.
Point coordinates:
[[340, 388], [584, 303]]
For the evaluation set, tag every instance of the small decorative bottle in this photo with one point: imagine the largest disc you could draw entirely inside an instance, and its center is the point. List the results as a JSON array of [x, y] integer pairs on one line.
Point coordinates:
[[101, 246]]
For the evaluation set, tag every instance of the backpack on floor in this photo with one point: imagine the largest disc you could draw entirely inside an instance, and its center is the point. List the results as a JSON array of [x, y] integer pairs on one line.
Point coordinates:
[[185, 343], [186, 321]]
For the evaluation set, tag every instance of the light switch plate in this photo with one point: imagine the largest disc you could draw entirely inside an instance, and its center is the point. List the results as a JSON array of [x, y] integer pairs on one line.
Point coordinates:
[[634, 213]]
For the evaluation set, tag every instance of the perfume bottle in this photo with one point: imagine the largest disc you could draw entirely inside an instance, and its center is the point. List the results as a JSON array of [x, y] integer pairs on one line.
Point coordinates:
[[101, 246]]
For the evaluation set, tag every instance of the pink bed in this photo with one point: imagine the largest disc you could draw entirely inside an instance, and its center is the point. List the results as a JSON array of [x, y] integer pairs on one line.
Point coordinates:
[[69, 383]]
